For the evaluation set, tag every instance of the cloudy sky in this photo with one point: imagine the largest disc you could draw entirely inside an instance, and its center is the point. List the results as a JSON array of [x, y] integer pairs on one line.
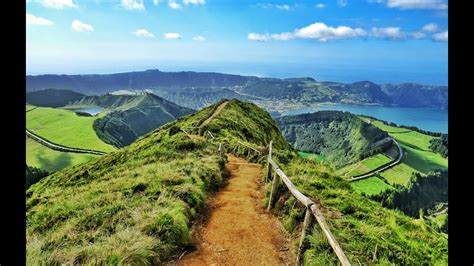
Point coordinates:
[[341, 40]]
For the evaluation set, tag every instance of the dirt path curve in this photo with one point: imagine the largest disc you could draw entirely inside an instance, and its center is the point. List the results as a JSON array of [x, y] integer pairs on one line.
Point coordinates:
[[216, 113], [239, 231]]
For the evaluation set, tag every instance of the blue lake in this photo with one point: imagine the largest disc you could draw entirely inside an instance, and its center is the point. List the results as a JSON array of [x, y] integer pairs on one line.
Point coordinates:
[[91, 111], [435, 120]]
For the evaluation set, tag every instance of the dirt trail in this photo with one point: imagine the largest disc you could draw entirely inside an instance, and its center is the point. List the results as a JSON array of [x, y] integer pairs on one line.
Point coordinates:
[[239, 231], [216, 113]]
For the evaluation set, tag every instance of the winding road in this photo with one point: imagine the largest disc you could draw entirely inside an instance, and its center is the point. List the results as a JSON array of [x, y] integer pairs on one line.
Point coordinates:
[[58, 147], [383, 167]]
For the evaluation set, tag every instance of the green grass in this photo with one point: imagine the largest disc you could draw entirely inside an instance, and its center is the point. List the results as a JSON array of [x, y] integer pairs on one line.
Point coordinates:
[[45, 158], [370, 186], [360, 225], [318, 157], [66, 128], [399, 174], [29, 107], [135, 206], [364, 166], [417, 154]]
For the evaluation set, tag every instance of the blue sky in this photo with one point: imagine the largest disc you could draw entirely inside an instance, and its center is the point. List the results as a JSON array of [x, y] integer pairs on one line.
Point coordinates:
[[386, 41]]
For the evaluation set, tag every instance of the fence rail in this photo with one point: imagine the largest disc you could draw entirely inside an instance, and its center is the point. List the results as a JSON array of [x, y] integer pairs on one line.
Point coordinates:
[[311, 210]]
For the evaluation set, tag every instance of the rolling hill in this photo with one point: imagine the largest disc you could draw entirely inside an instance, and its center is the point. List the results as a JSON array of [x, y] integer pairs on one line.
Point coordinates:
[[198, 89], [341, 137], [131, 116], [52, 97], [136, 205]]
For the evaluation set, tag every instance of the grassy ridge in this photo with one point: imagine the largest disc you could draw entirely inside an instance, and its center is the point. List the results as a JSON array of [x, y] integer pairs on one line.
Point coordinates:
[[133, 206], [66, 128], [50, 160], [361, 226], [341, 137]]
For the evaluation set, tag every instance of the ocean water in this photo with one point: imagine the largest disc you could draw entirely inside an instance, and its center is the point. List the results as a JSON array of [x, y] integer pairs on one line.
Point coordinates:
[[435, 120]]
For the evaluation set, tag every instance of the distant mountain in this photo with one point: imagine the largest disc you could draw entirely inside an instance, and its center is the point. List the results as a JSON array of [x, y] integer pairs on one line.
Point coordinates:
[[132, 115], [414, 95], [52, 97], [199, 89], [341, 137], [99, 84]]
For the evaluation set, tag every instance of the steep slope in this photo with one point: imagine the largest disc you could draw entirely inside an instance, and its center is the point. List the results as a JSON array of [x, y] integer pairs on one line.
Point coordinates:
[[415, 95], [52, 97], [135, 205], [132, 115], [341, 137], [132, 206]]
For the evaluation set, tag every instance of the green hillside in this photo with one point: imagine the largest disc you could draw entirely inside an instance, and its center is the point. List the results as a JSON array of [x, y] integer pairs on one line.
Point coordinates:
[[50, 160], [365, 165], [418, 155], [361, 226], [135, 205], [52, 97], [66, 128], [132, 115], [341, 137]]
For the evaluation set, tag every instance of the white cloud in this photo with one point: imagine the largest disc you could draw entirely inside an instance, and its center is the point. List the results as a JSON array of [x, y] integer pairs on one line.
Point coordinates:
[[321, 5], [442, 36], [194, 2], [318, 31], [322, 32], [156, 2], [418, 35], [342, 3], [34, 20], [282, 36], [132, 4], [81, 26], [58, 4], [388, 32], [173, 4], [199, 38], [283, 7], [430, 27], [258, 37], [172, 36], [144, 33], [417, 4]]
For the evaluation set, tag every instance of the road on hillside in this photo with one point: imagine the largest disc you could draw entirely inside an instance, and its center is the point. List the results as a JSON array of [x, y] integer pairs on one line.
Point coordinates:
[[238, 230], [58, 147], [383, 168], [216, 113]]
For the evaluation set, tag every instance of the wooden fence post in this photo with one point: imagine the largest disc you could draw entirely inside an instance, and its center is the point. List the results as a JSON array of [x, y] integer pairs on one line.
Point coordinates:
[[308, 219], [273, 193], [269, 167], [220, 150]]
